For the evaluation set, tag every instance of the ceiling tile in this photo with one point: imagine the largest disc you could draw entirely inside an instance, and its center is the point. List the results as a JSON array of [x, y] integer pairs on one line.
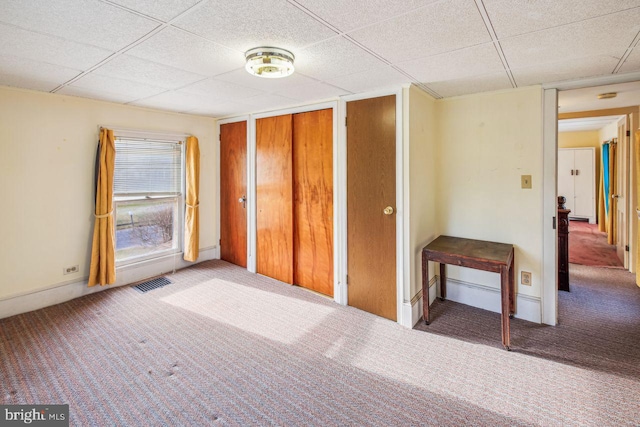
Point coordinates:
[[334, 57], [164, 10], [633, 62], [228, 109], [220, 91], [510, 17], [376, 78], [472, 61], [29, 74], [131, 90], [95, 94], [49, 49], [496, 81], [608, 35], [175, 101], [313, 92], [564, 70], [88, 21], [243, 78], [138, 70], [437, 28], [245, 24], [349, 15], [268, 102], [188, 52]]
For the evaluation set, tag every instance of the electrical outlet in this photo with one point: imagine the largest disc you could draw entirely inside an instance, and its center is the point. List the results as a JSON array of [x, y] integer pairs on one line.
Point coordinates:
[[525, 181], [525, 278], [71, 270]]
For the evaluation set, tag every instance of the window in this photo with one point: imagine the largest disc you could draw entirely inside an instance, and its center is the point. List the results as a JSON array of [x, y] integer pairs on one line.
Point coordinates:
[[148, 198]]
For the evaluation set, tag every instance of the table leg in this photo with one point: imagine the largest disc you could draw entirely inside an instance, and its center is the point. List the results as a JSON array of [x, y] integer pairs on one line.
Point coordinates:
[[512, 290], [443, 281], [506, 295], [425, 288]]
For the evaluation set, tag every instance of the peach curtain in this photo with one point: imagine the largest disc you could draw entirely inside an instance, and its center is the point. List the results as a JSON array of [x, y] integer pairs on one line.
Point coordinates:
[[192, 216], [102, 269], [612, 222]]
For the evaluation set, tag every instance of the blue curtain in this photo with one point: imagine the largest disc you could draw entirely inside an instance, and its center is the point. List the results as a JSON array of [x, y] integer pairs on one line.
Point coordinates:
[[605, 175]]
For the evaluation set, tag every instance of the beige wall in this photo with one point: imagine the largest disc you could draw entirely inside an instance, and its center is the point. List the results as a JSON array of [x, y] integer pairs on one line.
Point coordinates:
[[580, 139], [421, 134], [47, 151], [485, 143], [608, 132]]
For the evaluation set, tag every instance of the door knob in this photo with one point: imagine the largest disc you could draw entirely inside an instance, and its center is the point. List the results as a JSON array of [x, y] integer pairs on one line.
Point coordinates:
[[388, 210], [242, 199]]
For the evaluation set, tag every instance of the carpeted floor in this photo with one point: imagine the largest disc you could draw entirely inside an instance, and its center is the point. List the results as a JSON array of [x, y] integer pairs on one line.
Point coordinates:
[[588, 246], [222, 346]]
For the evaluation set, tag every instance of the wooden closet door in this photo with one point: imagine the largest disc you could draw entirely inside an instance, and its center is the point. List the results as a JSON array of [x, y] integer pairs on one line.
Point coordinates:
[[371, 187], [274, 193], [233, 187], [313, 200]]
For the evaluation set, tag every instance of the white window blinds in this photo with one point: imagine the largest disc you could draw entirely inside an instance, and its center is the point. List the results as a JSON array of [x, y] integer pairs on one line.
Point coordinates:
[[146, 167]]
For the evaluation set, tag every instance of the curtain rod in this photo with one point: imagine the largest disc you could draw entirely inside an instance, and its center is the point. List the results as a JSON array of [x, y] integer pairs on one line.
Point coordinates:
[[144, 132]]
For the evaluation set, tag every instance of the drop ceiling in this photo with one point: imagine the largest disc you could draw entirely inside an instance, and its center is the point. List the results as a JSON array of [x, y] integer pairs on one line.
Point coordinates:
[[188, 55]]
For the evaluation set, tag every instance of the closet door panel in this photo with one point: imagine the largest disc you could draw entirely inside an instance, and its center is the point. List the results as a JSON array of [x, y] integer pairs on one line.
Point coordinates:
[[566, 171], [274, 191], [584, 202], [313, 200]]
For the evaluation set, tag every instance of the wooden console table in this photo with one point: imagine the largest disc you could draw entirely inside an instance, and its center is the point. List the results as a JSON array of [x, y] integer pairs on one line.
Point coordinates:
[[478, 254]]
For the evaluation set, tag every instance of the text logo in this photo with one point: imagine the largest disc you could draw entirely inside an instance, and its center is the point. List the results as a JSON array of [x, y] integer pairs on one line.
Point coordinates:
[[34, 415]]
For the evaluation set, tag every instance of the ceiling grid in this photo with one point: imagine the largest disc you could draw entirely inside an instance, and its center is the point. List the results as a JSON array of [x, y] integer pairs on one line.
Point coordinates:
[[188, 55]]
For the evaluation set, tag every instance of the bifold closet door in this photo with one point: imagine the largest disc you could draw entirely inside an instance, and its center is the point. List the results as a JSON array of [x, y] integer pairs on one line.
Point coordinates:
[[233, 191], [313, 200], [274, 197], [294, 182]]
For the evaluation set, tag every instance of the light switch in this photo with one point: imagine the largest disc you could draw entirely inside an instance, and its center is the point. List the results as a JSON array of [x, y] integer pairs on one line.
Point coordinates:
[[526, 181]]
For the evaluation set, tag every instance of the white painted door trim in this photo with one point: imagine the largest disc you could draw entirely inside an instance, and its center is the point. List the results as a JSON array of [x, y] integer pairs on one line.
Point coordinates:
[[549, 291], [549, 296]]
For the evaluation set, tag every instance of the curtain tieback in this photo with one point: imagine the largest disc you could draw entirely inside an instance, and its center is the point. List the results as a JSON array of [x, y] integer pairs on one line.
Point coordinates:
[[193, 206], [104, 216]]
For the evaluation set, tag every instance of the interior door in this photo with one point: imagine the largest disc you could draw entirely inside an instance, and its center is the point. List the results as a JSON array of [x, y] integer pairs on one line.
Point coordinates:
[[621, 191], [274, 194], [371, 197], [313, 200], [566, 177], [233, 191]]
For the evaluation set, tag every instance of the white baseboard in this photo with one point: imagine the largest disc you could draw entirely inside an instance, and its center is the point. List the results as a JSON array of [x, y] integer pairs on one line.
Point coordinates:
[[66, 291], [412, 311], [480, 296]]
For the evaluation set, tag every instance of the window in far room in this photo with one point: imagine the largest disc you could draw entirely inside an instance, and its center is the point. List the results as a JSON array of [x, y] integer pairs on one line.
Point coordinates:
[[148, 198]]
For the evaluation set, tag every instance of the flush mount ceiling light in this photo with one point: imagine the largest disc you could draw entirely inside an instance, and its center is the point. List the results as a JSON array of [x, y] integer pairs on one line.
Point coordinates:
[[269, 62], [607, 95]]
